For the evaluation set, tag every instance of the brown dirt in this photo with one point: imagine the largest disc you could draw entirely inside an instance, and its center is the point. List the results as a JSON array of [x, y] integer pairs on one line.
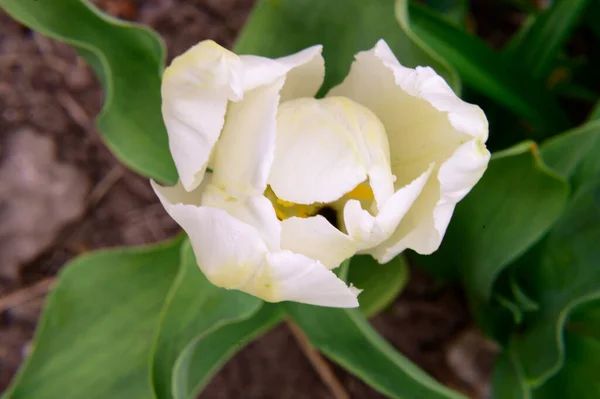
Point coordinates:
[[46, 88]]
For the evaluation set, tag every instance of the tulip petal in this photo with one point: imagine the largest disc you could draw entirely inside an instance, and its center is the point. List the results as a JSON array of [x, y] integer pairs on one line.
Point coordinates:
[[228, 251], [195, 90], [255, 210], [244, 153], [425, 123], [233, 255], [369, 231], [298, 278], [325, 148], [318, 239], [198, 85], [424, 226], [304, 70]]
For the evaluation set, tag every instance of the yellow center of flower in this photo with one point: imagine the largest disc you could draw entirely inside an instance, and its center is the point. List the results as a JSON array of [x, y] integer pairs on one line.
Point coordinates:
[[362, 192], [286, 209]]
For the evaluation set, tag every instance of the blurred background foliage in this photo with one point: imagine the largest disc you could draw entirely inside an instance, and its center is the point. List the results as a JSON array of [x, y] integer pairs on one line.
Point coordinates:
[[524, 244]]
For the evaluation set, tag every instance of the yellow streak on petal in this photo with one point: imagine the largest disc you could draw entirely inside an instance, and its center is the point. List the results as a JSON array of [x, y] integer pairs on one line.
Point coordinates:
[[263, 285], [252, 280], [233, 276]]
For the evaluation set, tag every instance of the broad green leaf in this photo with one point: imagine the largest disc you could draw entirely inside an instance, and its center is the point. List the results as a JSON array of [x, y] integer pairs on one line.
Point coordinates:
[[194, 307], [344, 27], [507, 379], [95, 336], [595, 114], [513, 206], [565, 276], [579, 376], [497, 318], [486, 71], [203, 357], [565, 152], [589, 168], [381, 284], [346, 337], [128, 60], [540, 41], [506, 310], [585, 320]]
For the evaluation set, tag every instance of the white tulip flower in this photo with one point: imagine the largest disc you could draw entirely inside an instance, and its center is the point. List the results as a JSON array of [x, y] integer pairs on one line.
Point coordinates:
[[278, 187]]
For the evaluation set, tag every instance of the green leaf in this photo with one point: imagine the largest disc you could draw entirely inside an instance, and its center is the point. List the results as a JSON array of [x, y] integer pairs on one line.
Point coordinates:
[[128, 60], [203, 357], [579, 376], [497, 318], [94, 338], [585, 320], [381, 284], [595, 113], [454, 11], [347, 338], [194, 307], [486, 71], [505, 311], [540, 41], [565, 152], [522, 298], [513, 206], [565, 276], [514, 308], [344, 27], [507, 380], [589, 168]]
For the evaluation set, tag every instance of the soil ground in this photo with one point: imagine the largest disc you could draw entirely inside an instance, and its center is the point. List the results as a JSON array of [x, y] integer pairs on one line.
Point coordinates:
[[86, 200]]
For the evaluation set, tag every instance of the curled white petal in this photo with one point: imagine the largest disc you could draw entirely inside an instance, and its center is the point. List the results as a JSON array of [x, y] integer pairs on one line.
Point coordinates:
[[425, 123], [255, 210], [304, 71], [318, 239], [244, 153], [455, 179], [228, 251], [195, 90], [301, 279], [233, 255], [199, 84], [369, 231]]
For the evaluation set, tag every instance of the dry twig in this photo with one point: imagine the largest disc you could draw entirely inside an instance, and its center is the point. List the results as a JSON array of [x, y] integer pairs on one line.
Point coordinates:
[[103, 187], [320, 365], [26, 294], [75, 111]]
